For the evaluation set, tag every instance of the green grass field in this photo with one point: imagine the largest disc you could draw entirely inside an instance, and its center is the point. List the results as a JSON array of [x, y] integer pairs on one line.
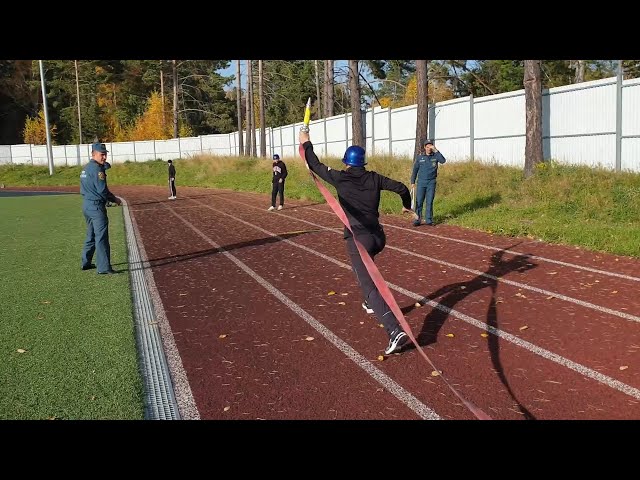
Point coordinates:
[[67, 336]]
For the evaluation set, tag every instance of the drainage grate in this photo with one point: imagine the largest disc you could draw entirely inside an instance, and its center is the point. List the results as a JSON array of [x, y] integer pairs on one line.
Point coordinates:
[[160, 400]]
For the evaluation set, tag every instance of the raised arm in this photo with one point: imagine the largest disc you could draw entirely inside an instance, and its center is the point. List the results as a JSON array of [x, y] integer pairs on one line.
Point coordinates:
[[315, 165], [439, 157]]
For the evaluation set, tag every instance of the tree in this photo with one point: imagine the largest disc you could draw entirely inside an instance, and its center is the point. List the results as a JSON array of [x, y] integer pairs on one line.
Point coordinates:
[[357, 123], [35, 130], [149, 125], [533, 104], [423, 105], [17, 100], [248, 104], [263, 132], [252, 111], [393, 76], [175, 98], [578, 66], [328, 89], [318, 101], [631, 68], [239, 108]]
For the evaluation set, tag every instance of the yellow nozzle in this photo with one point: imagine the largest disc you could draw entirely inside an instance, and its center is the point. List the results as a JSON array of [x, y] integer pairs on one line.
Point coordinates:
[[307, 113]]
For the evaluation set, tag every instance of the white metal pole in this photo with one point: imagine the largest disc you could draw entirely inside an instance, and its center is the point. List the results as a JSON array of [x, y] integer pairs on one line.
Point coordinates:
[[46, 119]]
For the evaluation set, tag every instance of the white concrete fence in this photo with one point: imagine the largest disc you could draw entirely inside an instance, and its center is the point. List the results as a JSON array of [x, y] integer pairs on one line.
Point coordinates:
[[593, 123]]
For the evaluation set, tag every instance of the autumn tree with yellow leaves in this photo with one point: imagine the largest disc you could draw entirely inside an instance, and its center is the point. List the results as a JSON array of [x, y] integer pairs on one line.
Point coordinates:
[[149, 125], [35, 130]]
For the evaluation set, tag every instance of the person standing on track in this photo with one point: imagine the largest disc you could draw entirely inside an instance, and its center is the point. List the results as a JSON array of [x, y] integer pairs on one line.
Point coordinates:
[[277, 180], [359, 195], [172, 180]]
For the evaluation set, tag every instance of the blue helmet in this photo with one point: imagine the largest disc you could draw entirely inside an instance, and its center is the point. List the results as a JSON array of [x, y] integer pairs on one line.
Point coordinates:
[[354, 156]]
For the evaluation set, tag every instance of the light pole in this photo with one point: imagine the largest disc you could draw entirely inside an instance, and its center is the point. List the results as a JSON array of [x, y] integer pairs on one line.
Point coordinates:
[[78, 96], [46, 120]]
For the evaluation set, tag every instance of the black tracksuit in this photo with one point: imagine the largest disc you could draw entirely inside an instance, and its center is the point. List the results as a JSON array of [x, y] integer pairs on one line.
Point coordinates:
[[279, 173], [359, 195], [172, 179]]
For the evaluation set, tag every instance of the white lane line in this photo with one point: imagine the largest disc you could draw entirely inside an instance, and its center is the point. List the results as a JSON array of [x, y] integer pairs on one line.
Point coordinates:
[[489, 247], [593, 306], [394, 388], [577, 367]]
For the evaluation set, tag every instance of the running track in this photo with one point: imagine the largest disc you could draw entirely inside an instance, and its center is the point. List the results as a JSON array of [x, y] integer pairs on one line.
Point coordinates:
[[523, 329]]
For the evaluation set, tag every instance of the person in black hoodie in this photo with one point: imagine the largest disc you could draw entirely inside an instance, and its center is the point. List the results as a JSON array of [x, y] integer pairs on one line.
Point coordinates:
[[359, 195], [279, 175], [172, 180]]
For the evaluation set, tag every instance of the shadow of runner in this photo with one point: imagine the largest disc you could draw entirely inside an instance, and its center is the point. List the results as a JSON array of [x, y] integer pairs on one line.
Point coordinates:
[[156, 262], [455, 292]]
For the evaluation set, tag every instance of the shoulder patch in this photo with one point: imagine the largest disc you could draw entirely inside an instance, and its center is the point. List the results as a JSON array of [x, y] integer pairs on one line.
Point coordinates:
[[101, 175]]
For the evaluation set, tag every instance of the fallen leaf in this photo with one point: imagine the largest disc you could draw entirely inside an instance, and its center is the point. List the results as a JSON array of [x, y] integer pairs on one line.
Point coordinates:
[[520, 295], [553, 273], [381, 357], [331, 293], [223, 336], [462, 287], [380, 325], [341, 303], [624, 367], [226, 408], [418, 304], [435, 373], [182, 294], [614, 291], [524, 327], [344, 294], [361, 323], [308, 339], [444, 271], [21, 350], [550, 297], [485, 335], [450, 335], [597, 281], [45, 301]]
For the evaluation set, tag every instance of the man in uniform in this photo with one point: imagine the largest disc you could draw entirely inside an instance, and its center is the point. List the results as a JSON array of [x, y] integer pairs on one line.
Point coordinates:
[[95, 195], [425, 169]]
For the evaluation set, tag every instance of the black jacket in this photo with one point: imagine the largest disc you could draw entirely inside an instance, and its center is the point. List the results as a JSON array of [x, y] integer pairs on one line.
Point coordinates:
[[279, 171], [172, 171], [358, 192]]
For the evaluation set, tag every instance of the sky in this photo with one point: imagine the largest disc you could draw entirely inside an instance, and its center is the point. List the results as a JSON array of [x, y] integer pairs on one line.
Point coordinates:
[[231, 71]]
